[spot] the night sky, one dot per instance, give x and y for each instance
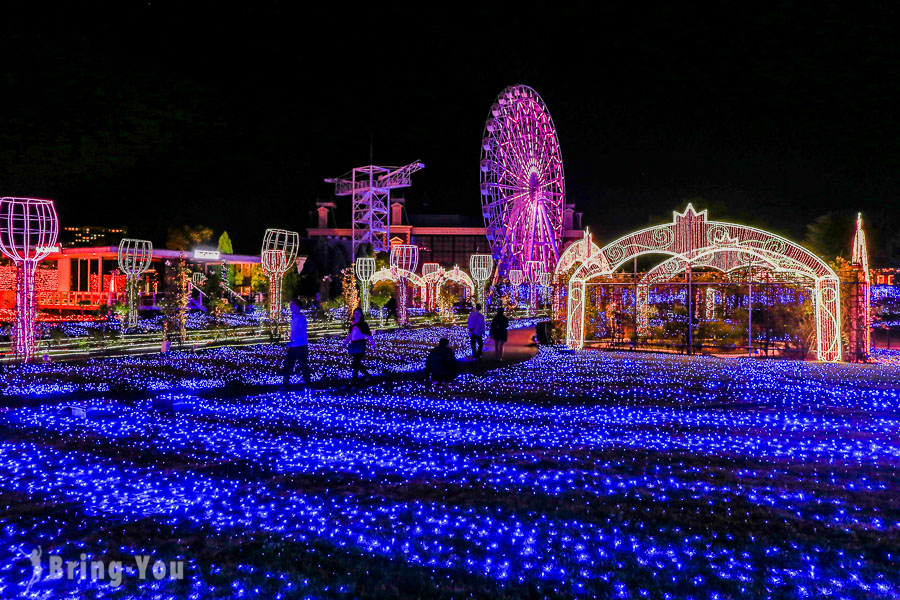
(152, 114)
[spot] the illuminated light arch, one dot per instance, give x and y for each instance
(400, 277)
(458, 276)
(575, 254)
(725, 261)
(689, 238)
(395, 274)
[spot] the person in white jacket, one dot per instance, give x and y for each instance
(476, 332)
(297, 346)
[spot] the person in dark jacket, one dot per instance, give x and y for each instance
(390, 308)
(441, 363)
(499, 327)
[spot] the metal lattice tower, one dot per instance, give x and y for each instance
(371, 188)
(28, 229)
(134, 259)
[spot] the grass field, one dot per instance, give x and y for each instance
(570, 475)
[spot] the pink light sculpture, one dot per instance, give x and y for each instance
(533, 271)
(522, 181)
(365, 268)
(481, 267)
(279, 252)
(134, 259)
(404, 259)
(429, 270)
(28, 230)
(546, 280)
(516, 277)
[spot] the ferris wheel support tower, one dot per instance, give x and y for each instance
(371, 188)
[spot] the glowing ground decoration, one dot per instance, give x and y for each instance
(522, 181)
(279, 251)
(481, 267)
(691, 239)
(365, 268)
(404, 259)
(134, 258)
(860, 258)
(28, 229)
(768, 481)
(371, 188)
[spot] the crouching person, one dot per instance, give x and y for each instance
(441, 363)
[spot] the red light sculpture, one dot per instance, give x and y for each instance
(28, 230)
(134, 259)
(404, 258)
(279, 251)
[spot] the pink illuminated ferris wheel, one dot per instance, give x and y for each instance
(522, 181)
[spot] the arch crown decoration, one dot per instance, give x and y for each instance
(690, 239)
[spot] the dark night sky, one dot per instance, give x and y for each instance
(152, 114)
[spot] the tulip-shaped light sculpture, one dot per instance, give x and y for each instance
(28, 229)
(533, 271)
(429, 275)
(279, 252)
(365, 268)
(481, 266)
(404, 259)
(546, 278)
(134, 259)
(516, 277)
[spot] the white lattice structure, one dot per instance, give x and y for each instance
(370, 187)
(691, 239)
(404, 258)
(278, 254)
(481, 267)
(28, 230)
(134, 258)
(364, 269)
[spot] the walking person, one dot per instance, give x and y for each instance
(499, 332)
(356, 343)
(297, 346)
(476, 332)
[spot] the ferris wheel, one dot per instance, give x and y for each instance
(522, 181)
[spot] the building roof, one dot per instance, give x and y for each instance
(158, 254)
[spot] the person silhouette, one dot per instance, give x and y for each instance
(37, 569)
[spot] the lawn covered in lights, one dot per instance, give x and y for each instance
(570, 475)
